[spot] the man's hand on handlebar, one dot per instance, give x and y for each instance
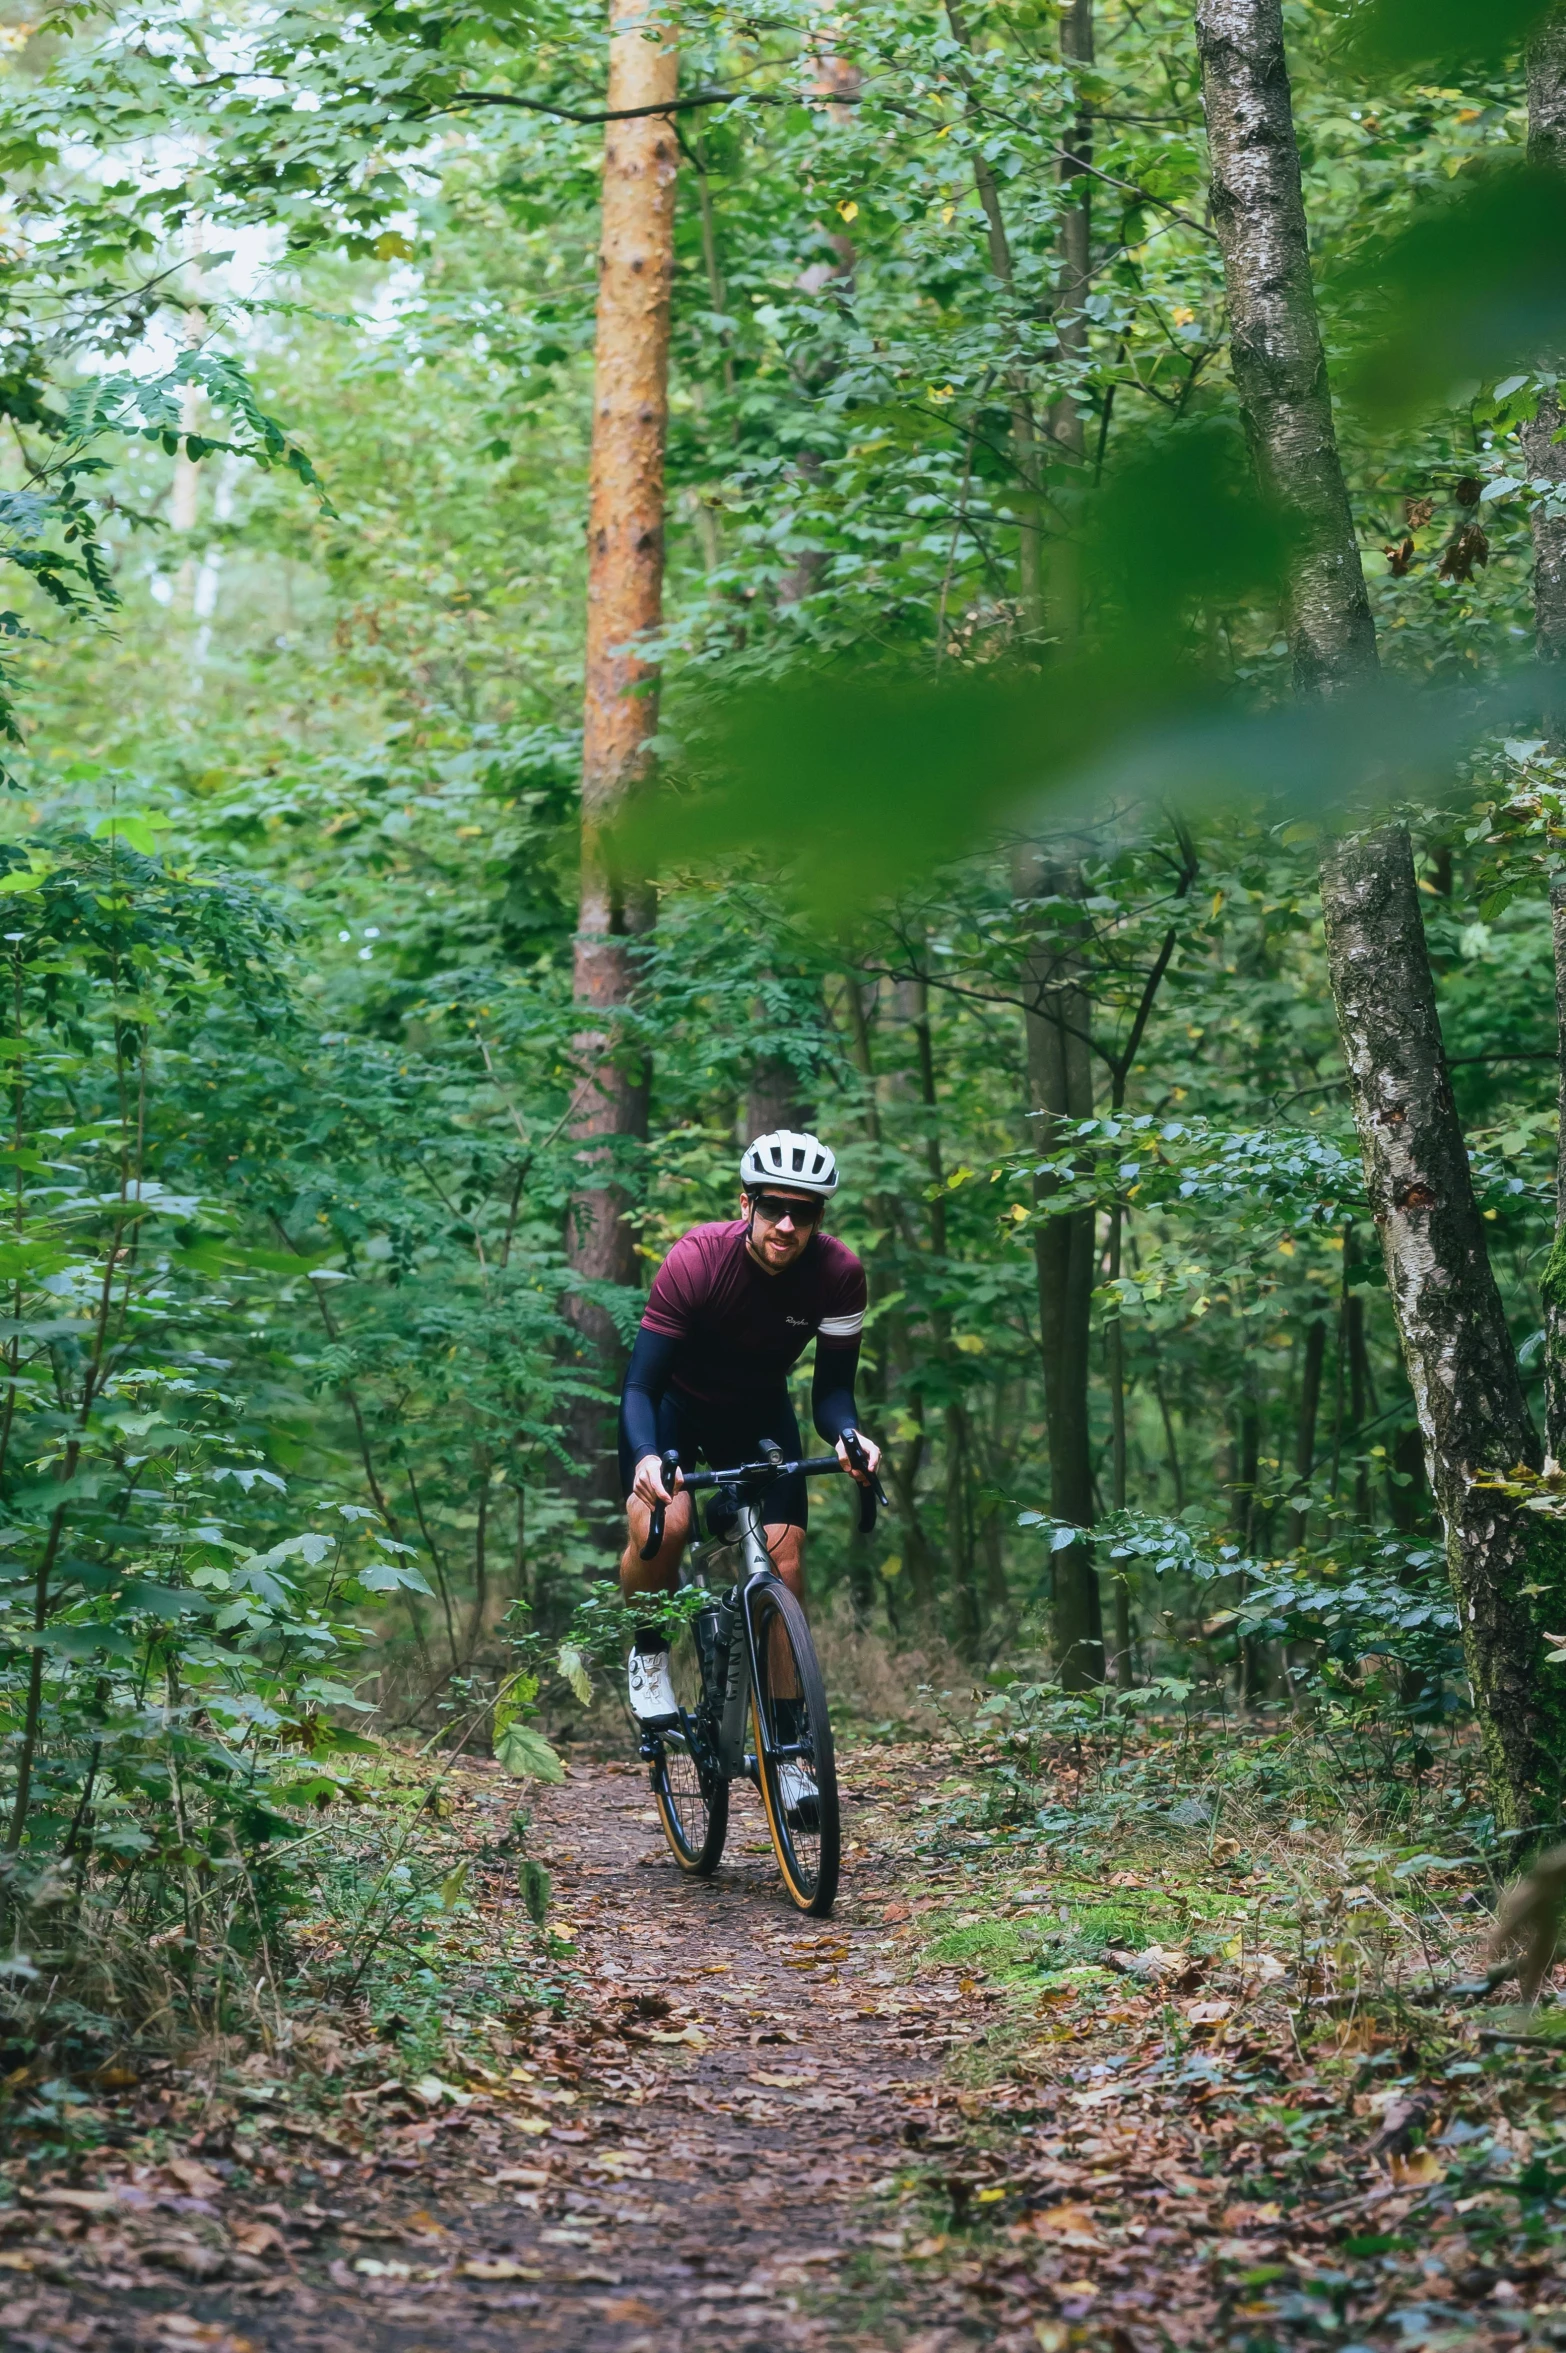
(650, 1488)
(869, 1457)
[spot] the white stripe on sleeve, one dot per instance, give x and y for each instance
(841, 1327)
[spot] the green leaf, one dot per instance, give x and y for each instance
(535, 1887)
(83, 1642)
(138, 829)
(391, 1576)
(528, 1755)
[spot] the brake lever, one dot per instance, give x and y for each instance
(669, 1466)
(871, 1495)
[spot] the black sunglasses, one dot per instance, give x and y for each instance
(774, 1208)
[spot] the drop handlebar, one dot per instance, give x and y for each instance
(753, 1475)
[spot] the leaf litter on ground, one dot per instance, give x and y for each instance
(1205, 2107)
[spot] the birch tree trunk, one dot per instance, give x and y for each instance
(1459, 1353)
(1456, 1345)
(620, 709)
(1280, 369)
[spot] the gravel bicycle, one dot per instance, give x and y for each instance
(751, 1700)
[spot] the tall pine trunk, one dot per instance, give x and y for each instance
(620, 709)
(1451, 1324)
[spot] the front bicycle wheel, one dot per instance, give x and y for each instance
(794, 1755)
(691, 1795)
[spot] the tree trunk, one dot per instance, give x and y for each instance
(1315, 1357)
(1450, 1321)
(1115, 1355)
(905, 1464)
(620, 710)
(1553, 1285)
(1547, 461)
(1461, 1362)
(1024, 436)
(1060, 1085)
(1076, 281)
(774, 1098)
(1280, 370)
(837, 80)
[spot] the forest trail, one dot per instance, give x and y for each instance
(908, 2129)
(693, 2156)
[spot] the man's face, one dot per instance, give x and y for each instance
(781, 1225)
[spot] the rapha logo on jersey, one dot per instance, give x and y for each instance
(797, 1319)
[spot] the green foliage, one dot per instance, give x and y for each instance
(291, 1055)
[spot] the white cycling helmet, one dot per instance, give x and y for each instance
(803, 1163)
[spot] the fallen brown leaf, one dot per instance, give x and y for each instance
(1070, 2226)
(194, 2177)
(257, 2238)
(79, 2201)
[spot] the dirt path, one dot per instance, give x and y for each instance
(691, 2150)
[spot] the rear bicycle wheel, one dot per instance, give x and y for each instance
(795, 1760)
(691, 1795)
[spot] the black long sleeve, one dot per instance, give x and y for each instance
(832, 1390)
(646, 1378)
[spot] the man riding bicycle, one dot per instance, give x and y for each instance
(732, 1309)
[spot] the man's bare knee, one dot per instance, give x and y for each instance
(786, 1546)
(657, 1575)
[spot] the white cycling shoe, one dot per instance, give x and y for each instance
(799, 1794)
(651, 1688)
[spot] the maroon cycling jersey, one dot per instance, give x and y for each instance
(738, 1329)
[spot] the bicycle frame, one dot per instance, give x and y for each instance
(740, 1672)
(734, 1760)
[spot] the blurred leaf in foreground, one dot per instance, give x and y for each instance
(1474, 287)
(856, 786)
(856, 781)
(1401, 36)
